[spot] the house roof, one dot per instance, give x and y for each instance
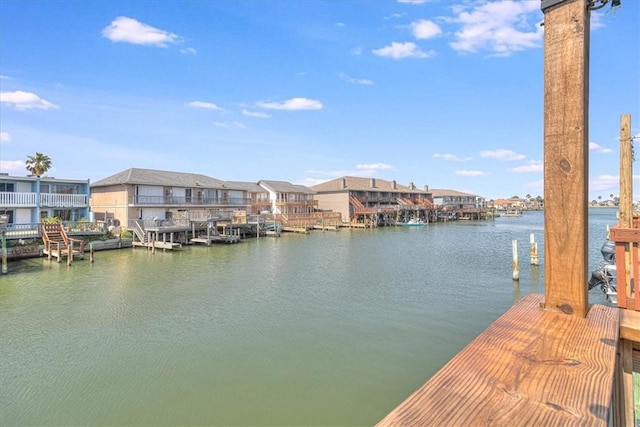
(446, 192)
(285, 187)
(252, 187)
(355, 183)
(44, 178)
(159, 177)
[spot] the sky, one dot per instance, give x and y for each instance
(444, 93)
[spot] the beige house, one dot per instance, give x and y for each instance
(372, 201)
(156, 195)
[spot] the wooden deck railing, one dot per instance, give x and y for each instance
(627, 241)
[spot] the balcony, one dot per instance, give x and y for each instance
(187, 201)
(309, 203)
(47, 200)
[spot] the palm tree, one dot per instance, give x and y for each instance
(38, 165)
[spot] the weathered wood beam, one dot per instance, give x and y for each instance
(566, 162)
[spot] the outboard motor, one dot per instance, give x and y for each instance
(609, 252)
(598, 278)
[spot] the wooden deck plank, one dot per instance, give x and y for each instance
(630, 325)
(530, 367)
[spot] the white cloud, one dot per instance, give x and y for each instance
(608, 183)
(501, 27)
(353, 80)
(4, 137)
(255, 114)
(340, 24)
(413, 1)
(230, 125)
(292, 104)
(465, 172)
(501, 155)
(397, 50)
(4, 77)
(189, 51)
(356, 51)
(25, 100)
(129, 30)
(205, 105)
(536, 185)
(425, 29)
(599, 148)
(532, 166)
(450, 157)
(310, 182)
(12, 167)
(373, 166)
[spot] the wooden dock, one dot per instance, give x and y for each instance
(217, 238)
(530, 366)
(158, 244)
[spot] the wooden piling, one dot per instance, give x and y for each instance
(566, 156)
(516, 268)
(91, 252)
(533, 249)
(5, 268)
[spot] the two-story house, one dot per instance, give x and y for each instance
(29, 199)
(373, 201)
(157, 195)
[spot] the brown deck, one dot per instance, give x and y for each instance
(530, 367)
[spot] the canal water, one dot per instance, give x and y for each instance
(329, 328)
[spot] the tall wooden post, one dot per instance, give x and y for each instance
(626, 173)
(566, 162)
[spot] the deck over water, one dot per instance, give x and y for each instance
(530, 367)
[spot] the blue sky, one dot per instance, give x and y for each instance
(445, 93)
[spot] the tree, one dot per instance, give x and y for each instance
(38, 165)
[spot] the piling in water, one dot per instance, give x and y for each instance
(516, 268)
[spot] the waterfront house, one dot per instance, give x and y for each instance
(24, 200)
(513, 203)
(372, 201)
(258, 197)
(158, 196)
(289, 199)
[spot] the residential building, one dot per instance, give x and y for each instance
(28, 199)
(149, 194)
(372, 200)
(258, 197)
(452, 200)
(289, 199)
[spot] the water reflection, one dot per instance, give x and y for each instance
(269, 331)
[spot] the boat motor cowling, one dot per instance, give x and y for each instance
(609, 251)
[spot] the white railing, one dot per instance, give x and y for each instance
(11, 199)
(51, 200)
(64, 200)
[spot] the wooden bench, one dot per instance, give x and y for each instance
(58, 245)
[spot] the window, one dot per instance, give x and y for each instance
(65, 189)
(62, 214)
(8, 214)
(7, 187)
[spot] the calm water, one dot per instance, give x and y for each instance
(320, 329)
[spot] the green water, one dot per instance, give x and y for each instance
(320, 329)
